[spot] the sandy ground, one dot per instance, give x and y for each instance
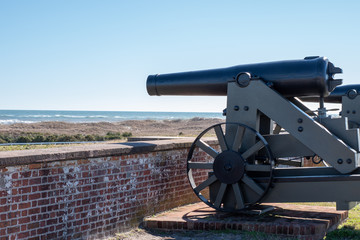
(141, 234)
(189, 127)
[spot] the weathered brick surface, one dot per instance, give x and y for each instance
(287, 221)
(93, 197)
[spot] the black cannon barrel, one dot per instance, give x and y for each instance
(312, 76)
(336, 95)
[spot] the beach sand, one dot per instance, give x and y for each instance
(187, 127)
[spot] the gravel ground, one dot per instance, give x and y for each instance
(141, 234)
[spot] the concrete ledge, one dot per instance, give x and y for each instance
(11, 158)
(154, 138)
(287, 220)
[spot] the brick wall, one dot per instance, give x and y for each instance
(90, 192)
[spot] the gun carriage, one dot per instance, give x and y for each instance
(268, 126)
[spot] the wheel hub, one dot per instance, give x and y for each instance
(229, 167)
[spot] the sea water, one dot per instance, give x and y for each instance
(32, 116)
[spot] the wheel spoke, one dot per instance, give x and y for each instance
(252, 184)
(258, 168)
(206, 183)
(221, 138)
(206, 148)
(238, 138)
(200, 165)
(220, 195)
(238, 196)
(259, 145)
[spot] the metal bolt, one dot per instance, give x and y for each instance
(353, 111)
(347, 111)
(243, 79)
(269, 84)
(236, 108)
(339, 161)
(300, 120)
(300, 129)
(227, 167)
(348, 160)
(246, 108)
(352, 93)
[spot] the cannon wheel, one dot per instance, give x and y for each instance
(238, 179)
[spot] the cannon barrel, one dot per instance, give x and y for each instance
(336, 95)
(312, 76)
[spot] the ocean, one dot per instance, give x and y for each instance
(32, 116)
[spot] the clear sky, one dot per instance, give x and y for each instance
(96, 55)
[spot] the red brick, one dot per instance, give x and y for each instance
(24, 190)
(84, 228)
(25, 174)
(291, 229)
(302, 230)
(4, 224)
(35, 173)
(24, 205)
(43, 202)
(44, 172)
(33, 225)
(3, 217)
(33, 233)
(34, 181)
(25, 182)
(24, 220)
(312, 229)
(24, 213)
(23, 228)
(285, 229)
(35, 166)
(34, 211)
(43, 186)
(34, 196)
(16, 199)
(296, 230)
(273, 229)
(44, 194)
(13, 214)
(23, 235)
(40, 231)
(13, 229)
(51, 236)
(15, 176)
(51, 222)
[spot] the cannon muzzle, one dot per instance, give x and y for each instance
(312, 76)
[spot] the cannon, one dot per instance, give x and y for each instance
(256, 155)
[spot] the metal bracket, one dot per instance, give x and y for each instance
(258, 97)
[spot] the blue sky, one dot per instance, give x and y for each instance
(96, 55)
